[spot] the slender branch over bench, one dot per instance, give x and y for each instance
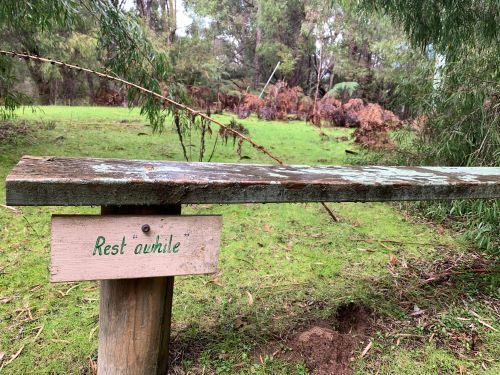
(163, 99)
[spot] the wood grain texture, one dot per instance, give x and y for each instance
(131, 325)
(90, 247)
(85, 181)
(135, 316)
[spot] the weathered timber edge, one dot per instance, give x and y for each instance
(87, 181)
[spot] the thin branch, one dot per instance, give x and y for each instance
(330, 212)
(213, 149)
(163, 99)
(443, 275)
(371, 240)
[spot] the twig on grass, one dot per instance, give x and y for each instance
(14, 356)
(385, 246)
(248, 262)
(371, 240)
(15, 210)
(70, 289)
(480, 320)
(367, 348)
(39, 332)
(450, 273)
(33, 229)
(282, 285)
(92, 331)
(330, 212)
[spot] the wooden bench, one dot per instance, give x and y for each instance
(135, 314)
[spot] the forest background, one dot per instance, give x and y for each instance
(434, 64)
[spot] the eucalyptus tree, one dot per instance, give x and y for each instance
(462, 114)
(463, 126)
(260, 33)
(121, 45)
(232, 23)
(20, 24)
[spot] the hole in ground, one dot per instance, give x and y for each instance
(326, 347)
(352, 318)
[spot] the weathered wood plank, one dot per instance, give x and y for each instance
(90, 247)
(86, 181)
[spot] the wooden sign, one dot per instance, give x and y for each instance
(126, 247)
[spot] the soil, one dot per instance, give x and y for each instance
(326, 347)
(325, 351)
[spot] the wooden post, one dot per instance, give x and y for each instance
(135, 315)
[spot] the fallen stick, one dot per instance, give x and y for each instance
(450, 273)
(14, 356)
(38, 333)
(282, 285)
(385, 246)
(480, 320)
(367, 348)
(371, 240)
(15, 210)
(330, 212)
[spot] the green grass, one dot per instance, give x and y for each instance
(297, 265)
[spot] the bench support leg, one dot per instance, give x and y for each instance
(135, 315)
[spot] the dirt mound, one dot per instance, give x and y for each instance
(326, 347)
(325, 351)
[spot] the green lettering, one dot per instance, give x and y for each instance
(138, 249)
(114, 250)
(156, 246)
(169, 245)
(106, 249)
(146, 250)
(98, 243)
(123, 245)
(176, 247)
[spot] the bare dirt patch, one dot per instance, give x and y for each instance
(326, 347)
(325, 351)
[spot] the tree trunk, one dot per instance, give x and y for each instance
(144, 9)
(169, 20)
(257, 60)
(316, 117)
(68, 86)
(91, 86)
(42, 85)
(330, 69)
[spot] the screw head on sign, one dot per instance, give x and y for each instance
(146, 228)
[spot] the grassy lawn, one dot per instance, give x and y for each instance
(283, 269)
